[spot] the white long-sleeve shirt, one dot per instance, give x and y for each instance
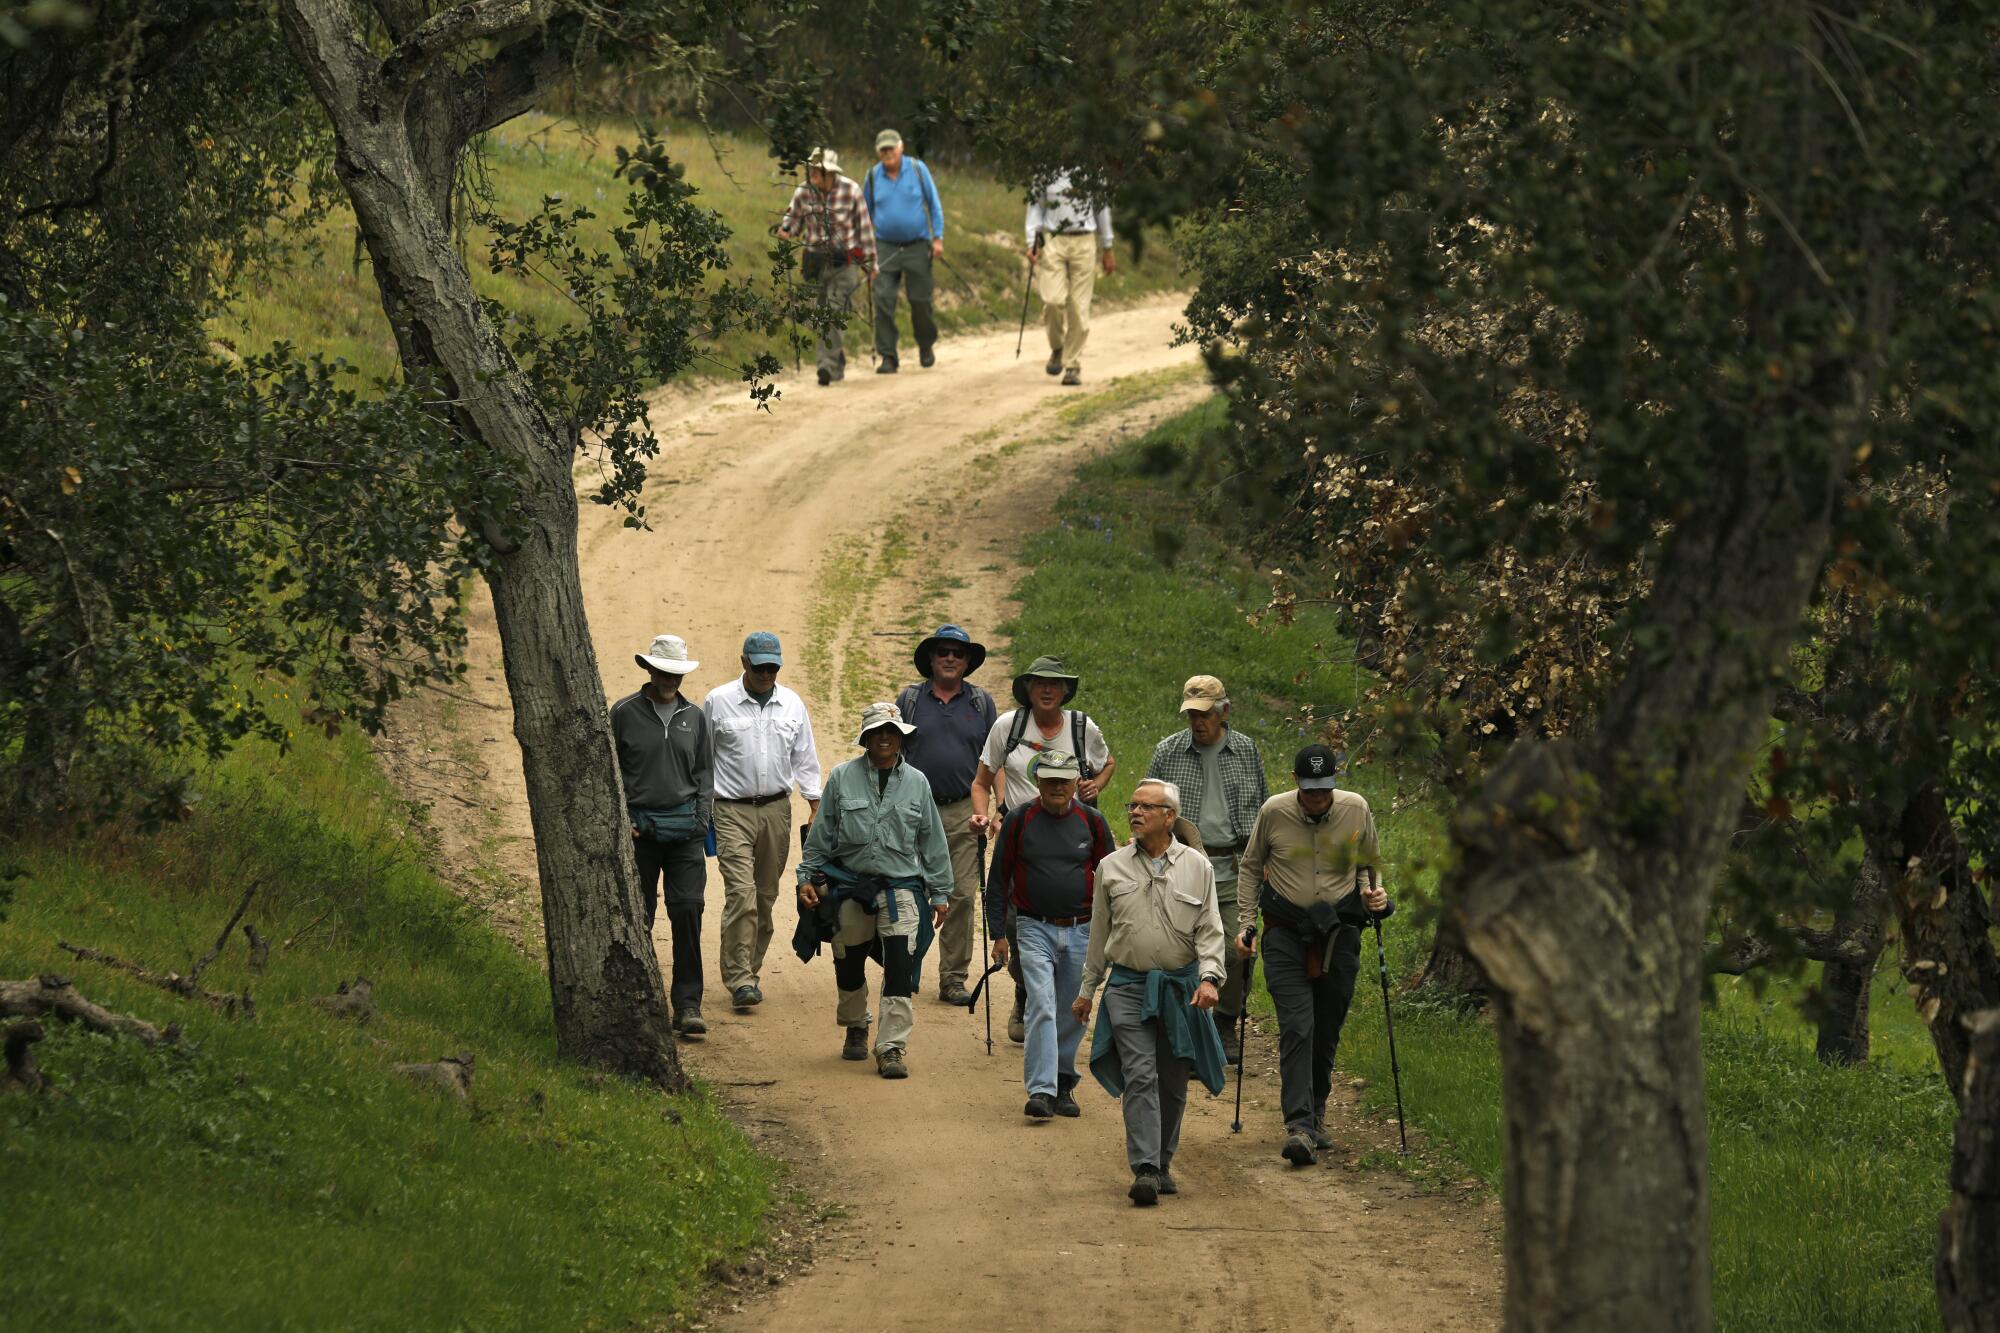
(1057, 211)
(761, 749)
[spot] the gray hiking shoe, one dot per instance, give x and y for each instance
(1145, 1189)
(1298, 1149)
(1320, 1138)
(689, 1024)
(1054, 367)
(955, 993)
(744, 997)
(889, 1063)
(1072, 376)
(1017, 1027)
(1167, 1185)
(856, 1046)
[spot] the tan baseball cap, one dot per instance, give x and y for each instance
(887, 139)
(1202, 693)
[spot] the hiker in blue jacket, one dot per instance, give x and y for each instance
(909, 236)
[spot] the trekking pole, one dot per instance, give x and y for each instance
(1243, 1029)
(984, 947)
(1026, 287)
(1395, 1070)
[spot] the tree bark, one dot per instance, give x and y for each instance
(1968, 1257)
(1845, 981)
(1453, 972)
(398, 149)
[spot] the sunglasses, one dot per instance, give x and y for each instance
(764, 669)
(949, 652)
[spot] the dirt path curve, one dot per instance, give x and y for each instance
(875, 506)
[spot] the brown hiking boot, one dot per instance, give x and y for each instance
(856, 1047)
(1054, 367)
(1072, 376)
(889, 1063)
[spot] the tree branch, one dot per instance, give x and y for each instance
(55, 996)
(452, 29)
(515, 79)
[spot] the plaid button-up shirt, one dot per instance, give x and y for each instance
(835, 220)
(1175, 761)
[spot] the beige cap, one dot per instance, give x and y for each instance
(1202, 693)
(887, 139)
(1054, 764)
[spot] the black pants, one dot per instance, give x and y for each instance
(1311, 1011)
(685, 871)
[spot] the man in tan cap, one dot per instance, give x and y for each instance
(1220, 775)
(830, 216)
(876, 877)
(909, 226)
(667, 761)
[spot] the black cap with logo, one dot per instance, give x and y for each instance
(1317, 768)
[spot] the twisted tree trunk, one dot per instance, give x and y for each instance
(1968, 1258)
(402, 124)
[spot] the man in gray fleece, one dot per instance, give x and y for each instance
(667, 759)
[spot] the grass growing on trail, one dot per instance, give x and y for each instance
(326, 300)
(1826, 1183)
(274, 1172)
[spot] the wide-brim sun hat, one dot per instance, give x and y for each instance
(825, 159)
(668, 653)
(878, 715)
(1046, 668)
(976, 652)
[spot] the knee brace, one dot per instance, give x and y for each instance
(849, 969)
(896, 967)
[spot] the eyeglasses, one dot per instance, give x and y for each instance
(1145, 805)
(949, 652)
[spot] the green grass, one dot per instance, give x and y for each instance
(1826, 1182)
(327, 302)
(274, 1172)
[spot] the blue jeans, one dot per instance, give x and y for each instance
(1051, 969)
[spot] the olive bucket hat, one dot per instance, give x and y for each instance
(975, 653)
(1046, 668)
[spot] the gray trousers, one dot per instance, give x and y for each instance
(1155, 1079)
(1229, 1004)
(1310, 1013)
(836, 292)
(908, 262)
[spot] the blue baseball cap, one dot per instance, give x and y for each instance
(762, 649)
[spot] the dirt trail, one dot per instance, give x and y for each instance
(836, 520)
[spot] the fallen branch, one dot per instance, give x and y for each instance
(228, 928)
(53, 996)
(166, 981)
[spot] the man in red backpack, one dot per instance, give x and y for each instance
(952, 717)
(1044, 871)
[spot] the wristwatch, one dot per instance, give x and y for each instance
(1214, 981)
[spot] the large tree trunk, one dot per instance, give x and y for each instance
(401, 127)
(1583, 888)
(1968, 1258)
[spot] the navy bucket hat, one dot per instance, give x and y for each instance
(976, 652)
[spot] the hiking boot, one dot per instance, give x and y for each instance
(1066, 1105)
(955, 993)
(1145, 1189)
(688, 1023)
(1232, 1040)
(1039, 1107)
(926, 357)
(1298, 1149)
(886, 366)
(1017, 1027)
(1167, 1185)
(825, 377)
(856, 1046)
(889, 1063)
(1054, 367)
(1320, 1138)
(1072, 376)
(744, 997)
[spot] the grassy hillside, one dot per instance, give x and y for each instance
(1827, 1182)
(275, 1172)
(326, 300)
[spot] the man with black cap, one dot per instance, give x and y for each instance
(951, 716)
(667, 763)
(1221, 778)
(877, 858)
(1039, 721)
(1311, 850)
(763, 749)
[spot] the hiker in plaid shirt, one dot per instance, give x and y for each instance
(830, 217)
(1221, 777)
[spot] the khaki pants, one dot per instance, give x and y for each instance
(836, 292)
(752, 843)
(1069, 276)
(955, 937)
(894, 924)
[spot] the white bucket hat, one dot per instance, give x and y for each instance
(880, 715)
(668, 653)
(825, 159)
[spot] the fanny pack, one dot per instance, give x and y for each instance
(674, 824)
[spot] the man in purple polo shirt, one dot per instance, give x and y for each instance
(952, 717)
(1044, 871)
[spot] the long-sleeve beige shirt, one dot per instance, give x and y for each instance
(1146, 919)
(1305, 862)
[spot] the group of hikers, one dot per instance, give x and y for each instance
(894, 860)
(888, 231)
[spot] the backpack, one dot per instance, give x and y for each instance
(1078, 721)
(868, 192)
(982, 703)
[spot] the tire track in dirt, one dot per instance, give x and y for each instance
(953, 1209)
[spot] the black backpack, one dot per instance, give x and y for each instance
(1078, 721)
(982, 703)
